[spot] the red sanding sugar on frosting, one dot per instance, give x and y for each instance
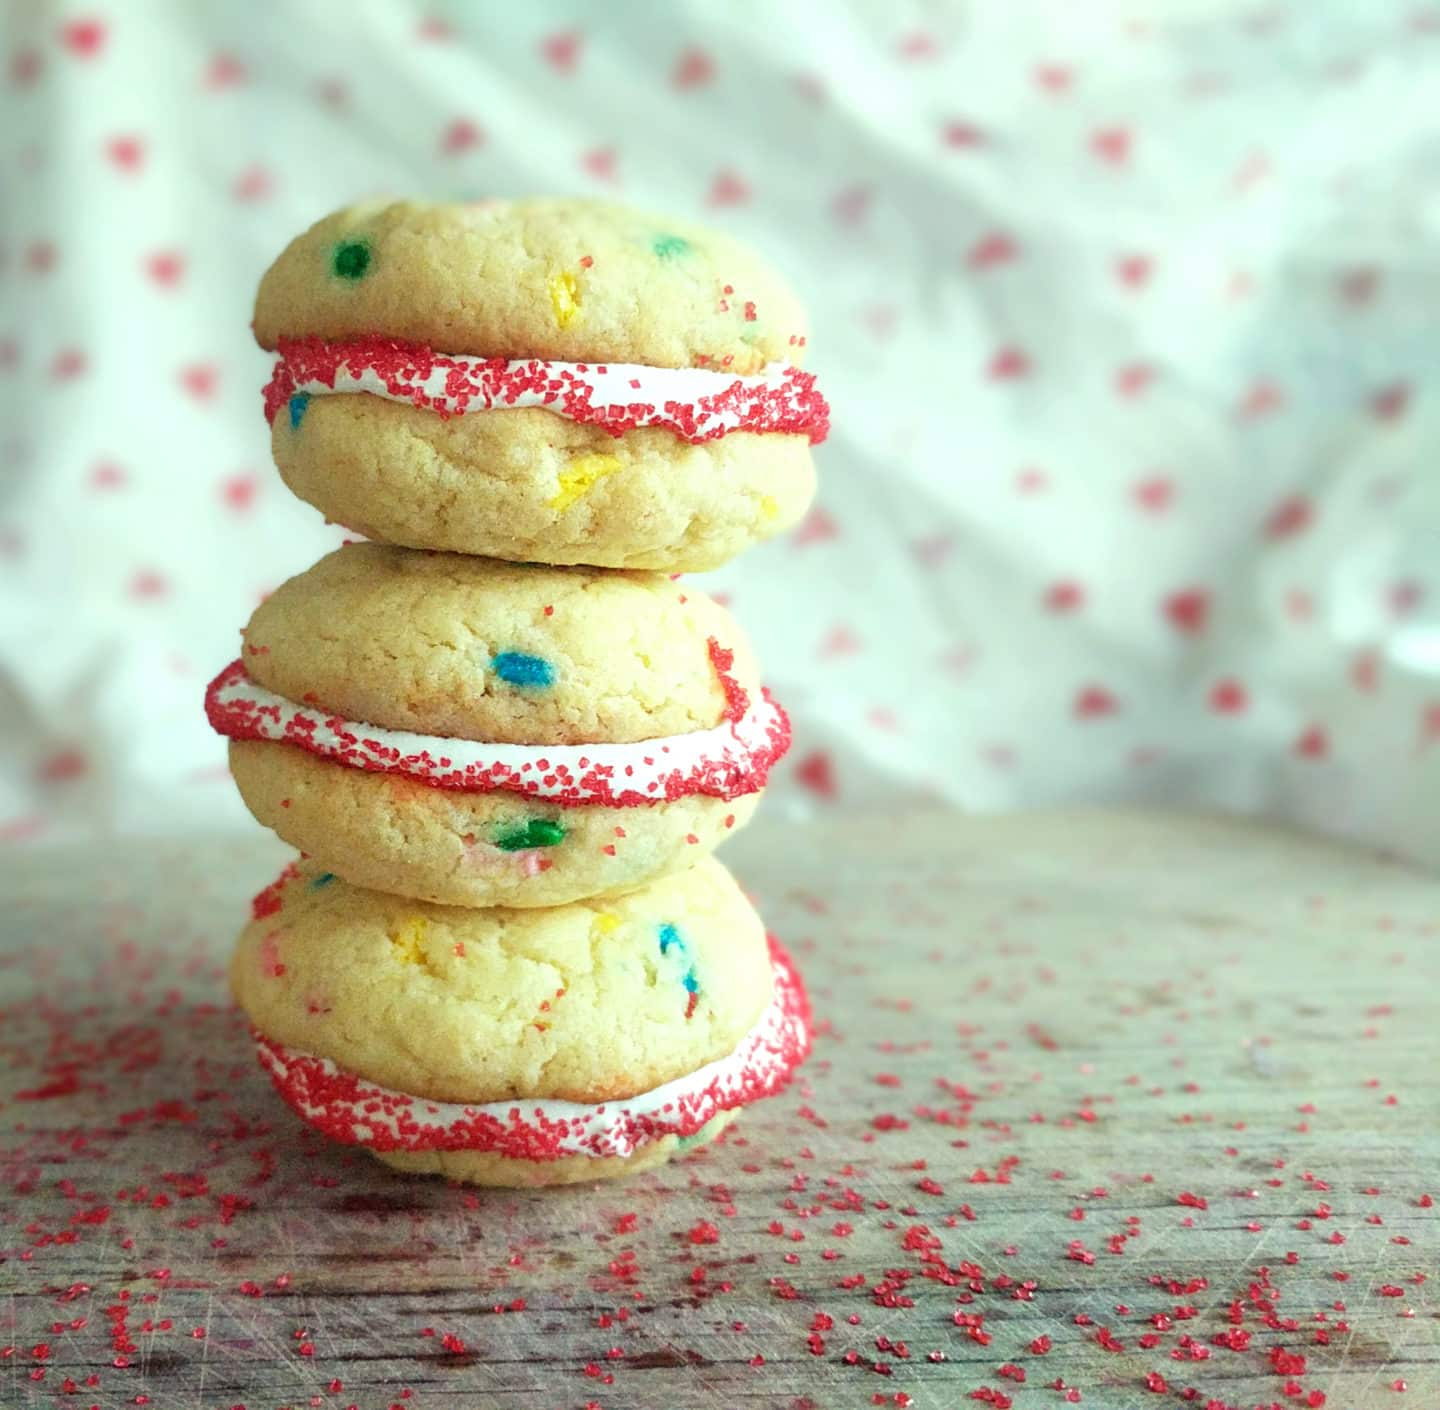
(737, 698)
(696, 404)
(269, 901)
(355, 1112)
(730, 760)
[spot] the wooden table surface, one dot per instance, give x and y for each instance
(1109, 1109)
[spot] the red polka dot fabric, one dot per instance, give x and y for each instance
(1124, 323)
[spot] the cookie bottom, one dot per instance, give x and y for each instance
(393, 834)
(487, 1168)
(530, 486)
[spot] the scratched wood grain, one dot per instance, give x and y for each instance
(1149, 1102)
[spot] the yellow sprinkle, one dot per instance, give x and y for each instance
(604, 924)
(580, 475)
(409, 941)
(768, 507)
(565, 298)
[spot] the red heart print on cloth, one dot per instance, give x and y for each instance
(1128, 488)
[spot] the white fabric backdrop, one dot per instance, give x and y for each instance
(1128, 317)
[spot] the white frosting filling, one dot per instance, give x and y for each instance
(614, 383)
(574, 1128)
(566, 772)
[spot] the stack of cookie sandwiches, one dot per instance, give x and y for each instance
(504, 734)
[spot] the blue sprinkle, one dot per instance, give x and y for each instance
(324, 879)
(516, 668)
(298, 403)
(670, 938)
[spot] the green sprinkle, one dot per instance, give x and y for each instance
(668, 246)
(351, 259)
(538, 832)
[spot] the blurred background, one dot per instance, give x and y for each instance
(1128, 314)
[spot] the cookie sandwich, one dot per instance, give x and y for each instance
(560, 381)
(505, 1047)
(478, 733)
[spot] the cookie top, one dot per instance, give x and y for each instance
(571, 280)
(587, 1002)
(450, 645)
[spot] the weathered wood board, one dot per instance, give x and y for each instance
(1149, 1103)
